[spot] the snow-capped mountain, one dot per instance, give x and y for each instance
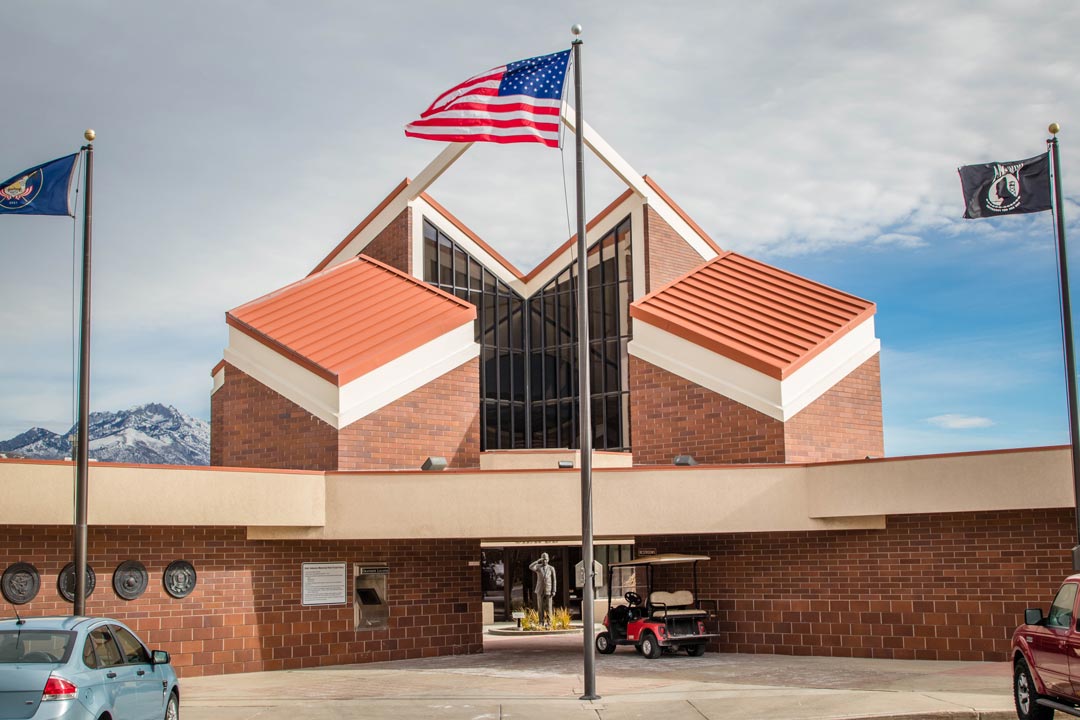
(152, 433)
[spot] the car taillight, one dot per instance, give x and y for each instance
(662, 631)
(701, 628)
(59, 689)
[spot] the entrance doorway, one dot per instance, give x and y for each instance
(507, 583)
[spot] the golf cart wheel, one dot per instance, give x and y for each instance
(604, 643)
(649, 647)
(695, 650)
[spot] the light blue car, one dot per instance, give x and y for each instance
(85, 668)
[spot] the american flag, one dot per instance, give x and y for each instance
(517, 102)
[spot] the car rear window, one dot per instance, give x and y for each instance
(35, 646)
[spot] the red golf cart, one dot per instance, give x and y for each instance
(662, 620)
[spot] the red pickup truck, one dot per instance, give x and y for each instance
(1046, 657)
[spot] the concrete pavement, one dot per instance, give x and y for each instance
(541, 677)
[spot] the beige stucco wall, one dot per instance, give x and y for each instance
(524, 504)
(1003, 480)
(43, 494)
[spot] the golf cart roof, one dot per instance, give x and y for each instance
(666, 559)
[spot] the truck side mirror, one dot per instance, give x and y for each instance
(1033, 616)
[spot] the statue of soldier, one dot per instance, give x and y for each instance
(545, 587)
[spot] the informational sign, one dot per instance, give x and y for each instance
(645, 551)
(324, 583)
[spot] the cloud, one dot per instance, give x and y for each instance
(901, 240)
(952, 421)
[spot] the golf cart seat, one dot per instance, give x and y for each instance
(672, 604)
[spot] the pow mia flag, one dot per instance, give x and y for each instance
(1006, 188)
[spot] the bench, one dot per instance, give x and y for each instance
(671, 604)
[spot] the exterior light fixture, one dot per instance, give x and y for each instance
(434, 462)
(684, 460)
(566, 464)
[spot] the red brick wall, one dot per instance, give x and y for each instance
(670, 415)
(245, 613)
(928, 587)
(393, 245)
(844, 423)
(667, 255)
(441, 418)
(253, 426)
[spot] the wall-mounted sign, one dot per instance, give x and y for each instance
(324, 583)
(645, 551)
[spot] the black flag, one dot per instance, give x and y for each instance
(1006, 188)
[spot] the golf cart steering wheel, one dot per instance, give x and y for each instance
(632, 598)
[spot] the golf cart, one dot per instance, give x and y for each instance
(662, 620)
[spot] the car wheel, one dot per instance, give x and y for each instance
(604, 644)
(1025, 695)
(695, 650)
(650, 648)
(172, 709)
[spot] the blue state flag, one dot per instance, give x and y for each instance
(41, 190)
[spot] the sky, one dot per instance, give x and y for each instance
(239, 142)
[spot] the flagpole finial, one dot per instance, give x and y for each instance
(89, 135)
(576, 29)
(1054, 128)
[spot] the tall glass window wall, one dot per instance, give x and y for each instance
(538, 408)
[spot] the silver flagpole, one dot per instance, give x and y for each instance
(83, 442)
(584, 393)
(1067, 332)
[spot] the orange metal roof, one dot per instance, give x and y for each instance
(346, 321)
(758, 315)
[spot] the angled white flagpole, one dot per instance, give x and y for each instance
(584, 393)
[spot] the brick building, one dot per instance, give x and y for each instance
(415, 343)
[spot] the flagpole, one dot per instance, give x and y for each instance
(83, 444)
(1067, 331)
(584, 392)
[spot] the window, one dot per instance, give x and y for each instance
(500, 331)
(108, 653)
(89, 658)
(1061, 611)
(529, 346)
(35, 646)
(133, 650)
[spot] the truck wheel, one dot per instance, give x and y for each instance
(652, 649)
(695, 650)
(1025, 695)
(604, 644)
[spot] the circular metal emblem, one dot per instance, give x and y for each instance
(179, 578)
(65, 583)
(129, 580)
(20, 583)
